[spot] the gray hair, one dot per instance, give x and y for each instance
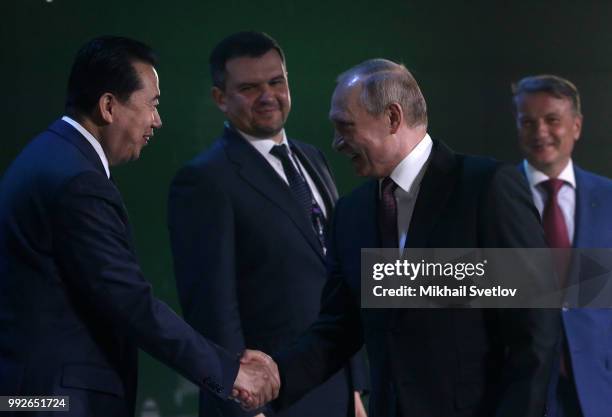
(552, 84)
(384, 82)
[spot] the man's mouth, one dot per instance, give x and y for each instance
(542, 145)
(147, 138)
(267, 110)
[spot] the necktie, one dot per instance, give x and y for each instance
(556, 234)
(387, 214)
(555, 229)
(301, 192)
(552, 218)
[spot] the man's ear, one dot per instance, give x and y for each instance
(106, 107)
(395, 117)
(577, 127)
(218, 97)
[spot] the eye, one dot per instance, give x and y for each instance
(246, 88)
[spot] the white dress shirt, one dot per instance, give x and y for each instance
(264, 146)
(408, 175)
(93, 141)
(566, 198)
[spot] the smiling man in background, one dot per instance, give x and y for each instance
(575, 206)
(248, 223)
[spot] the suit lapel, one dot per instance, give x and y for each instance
(437, 184)
(586, 202)
(257, 173)
(368, 212)
(69, 133)
(324, 185)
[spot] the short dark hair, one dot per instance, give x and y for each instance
(551, 84)
(102, 65)
(250, 43)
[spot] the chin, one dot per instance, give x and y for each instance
(265, 131)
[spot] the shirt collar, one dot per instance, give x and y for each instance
(535, 177)
(264, 145)
(407, 171)
(92, 140)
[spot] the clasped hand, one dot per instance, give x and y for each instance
(258, 381)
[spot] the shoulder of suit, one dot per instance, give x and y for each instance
(207, 169)
(49, 162)
(307, 148)
(211, 158)
(598, 181)
(480, 172)
(363, 191)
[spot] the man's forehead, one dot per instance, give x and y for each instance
(149, 80)
(543, 97)
(344, 102)
(246, 68)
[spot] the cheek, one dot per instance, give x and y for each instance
(240, 105)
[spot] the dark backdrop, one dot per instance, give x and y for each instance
(464, 55)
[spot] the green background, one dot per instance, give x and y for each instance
(464, 54)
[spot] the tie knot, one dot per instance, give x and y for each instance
(552, 186)
(388, 186)
(280, 151)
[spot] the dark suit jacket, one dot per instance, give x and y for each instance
(433, 363)
(74, 305)
(249, 267)
(589, 331)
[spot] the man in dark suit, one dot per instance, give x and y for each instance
(424, 363)
(74, 305)
(248, 222)
(575, 206)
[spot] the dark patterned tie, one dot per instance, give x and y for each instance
(297, 183)
(302, 193)
(387, 214)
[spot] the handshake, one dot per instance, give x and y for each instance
(258, 381)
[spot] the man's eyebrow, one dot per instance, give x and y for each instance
(278, 77)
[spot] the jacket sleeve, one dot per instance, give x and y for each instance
(202, 233)
(359, 372)
(328, 343)
(95, 254)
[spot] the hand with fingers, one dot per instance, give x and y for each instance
(258, 381)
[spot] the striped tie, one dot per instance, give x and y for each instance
(302, 193)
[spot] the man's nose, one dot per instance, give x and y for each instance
(541, 129)
(157, 123)
(266, 94)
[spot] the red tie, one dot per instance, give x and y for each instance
(556, 234)
(552, 218)
(555, 229)
(387, 214)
